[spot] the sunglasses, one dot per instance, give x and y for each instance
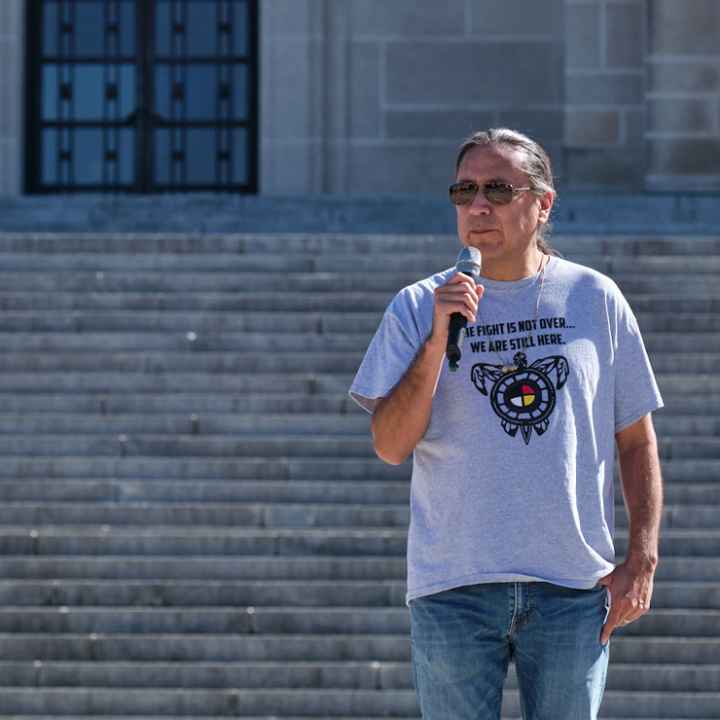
(497, 193)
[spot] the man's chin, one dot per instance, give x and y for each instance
(487, 241)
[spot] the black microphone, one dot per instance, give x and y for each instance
(469, 263)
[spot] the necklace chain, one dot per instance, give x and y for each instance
(508, 367)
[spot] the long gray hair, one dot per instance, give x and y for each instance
(535, 164)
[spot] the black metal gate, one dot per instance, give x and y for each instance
(141, 96)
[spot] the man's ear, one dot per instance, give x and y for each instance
(546, 203)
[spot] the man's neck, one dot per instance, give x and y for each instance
(528, 265)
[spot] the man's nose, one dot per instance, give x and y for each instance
(480, 205)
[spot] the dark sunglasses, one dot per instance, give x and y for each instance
(463, 193)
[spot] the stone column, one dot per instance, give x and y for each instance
(683, 95)
(303, 89)
(12, 99)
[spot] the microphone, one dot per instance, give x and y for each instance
(469, 263)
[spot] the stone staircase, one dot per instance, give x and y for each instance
(193, 521)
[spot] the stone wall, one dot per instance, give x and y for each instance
(605, 46)
(367, 96)
(11, 96)
(683, 96)
(372, 96)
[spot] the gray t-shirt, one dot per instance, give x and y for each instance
(513, 479)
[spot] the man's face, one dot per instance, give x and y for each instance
(502, 232)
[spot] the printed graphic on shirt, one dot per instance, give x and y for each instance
(522, 397)
(528, 334)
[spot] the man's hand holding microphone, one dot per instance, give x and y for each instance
(466, 297)
(401, 418)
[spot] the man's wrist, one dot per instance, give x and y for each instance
(641, 562)
(436, 343)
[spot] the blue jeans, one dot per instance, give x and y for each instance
(462, 640)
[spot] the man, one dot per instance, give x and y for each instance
(510, 546)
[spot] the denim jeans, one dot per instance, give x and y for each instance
(462, 640)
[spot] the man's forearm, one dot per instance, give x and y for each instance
(642, 487)
(401, 418)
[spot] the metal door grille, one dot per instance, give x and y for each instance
(142, 95)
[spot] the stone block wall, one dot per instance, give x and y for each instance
(11, 96)
(605, 46)
(369, 96)
(392, 88)
(374, 96)
(683, 96)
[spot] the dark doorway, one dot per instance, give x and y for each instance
(142, 96)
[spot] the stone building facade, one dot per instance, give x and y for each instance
(371, 96)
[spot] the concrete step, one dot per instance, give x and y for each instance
(212, 407)
(209, 592)
(201, 551)
(70, 540)
(169, 540)
(330, 491)
(275, 467)
(667, 423)
(269, 301)
(175, 346)
(322, 675)
(106, 382)
(315, 702)
(348, 675)
(229, 423)
(421, 264)
(265, 445)
(209, 363)
(311, 383)
(69, 343)
(145, 716)
(205, 567)
(288, 647)
(273, 301)
(236, 647)
(269, 361)
(91, 539)
(504, 716)
(325, 490)
(209, 321)
(319, 490)
(344, 243)
(217, 446)
(308, 592)
(263, 567)
(645, 704)
(222, 423)
(212, 322)
(73, 282)
(271, 515)
(189, 703)
(149, 403)
(291, 620)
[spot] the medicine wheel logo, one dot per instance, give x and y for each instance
(522, 397)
